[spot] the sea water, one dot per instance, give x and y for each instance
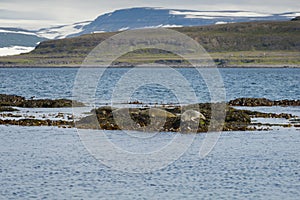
(54, 163)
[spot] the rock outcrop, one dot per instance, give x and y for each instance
(170, 118)
(18, 101)
(202, 117)
(262, 102)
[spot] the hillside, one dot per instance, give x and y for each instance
(250, 43)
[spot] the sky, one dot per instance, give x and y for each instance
(34, 14)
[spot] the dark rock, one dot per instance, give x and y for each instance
(287, 103)
(49, 103)
(268, 115)
(251, 102)
(189, 118)
(7, 109)
(36, 122)
(11, 100)
(233, 115)
(18, 101)
(262, 102)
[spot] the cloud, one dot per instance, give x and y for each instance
(69, 11)
(11, 14)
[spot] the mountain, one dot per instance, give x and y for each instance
(15, 40)
(235, 44)
(134, 18)
(131, 18)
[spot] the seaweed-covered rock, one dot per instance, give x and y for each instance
(50, 103)
(18, 101)
(36, 122)
(251, 102)
(234, 115)
(287, 103)
(268, 115)
(7, 109)
(188, 118)
(262, 102)
(11, 100)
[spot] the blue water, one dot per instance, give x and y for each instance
(58, 83)
(53, 163)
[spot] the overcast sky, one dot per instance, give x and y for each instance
(44, 13)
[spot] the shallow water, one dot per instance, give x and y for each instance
(52, 163)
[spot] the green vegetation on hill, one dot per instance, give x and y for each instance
(251, 43)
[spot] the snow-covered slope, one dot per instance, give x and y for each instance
(15, 41)
(14, 50)
(59, 32)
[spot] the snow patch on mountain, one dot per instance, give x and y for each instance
(199, 17)
(221, 22)
(164, 26)
(124, 28)
(14, 50)
(215, 14)
(98, 32)
(19, 32)
(291, 15)
(59, 32)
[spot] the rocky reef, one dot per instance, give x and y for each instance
(173, 118)
(8, 102)
(37, 122)
(18, 101)
(202, 117)
(262, 102)
(7, 109)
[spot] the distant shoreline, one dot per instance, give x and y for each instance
(159, 66)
